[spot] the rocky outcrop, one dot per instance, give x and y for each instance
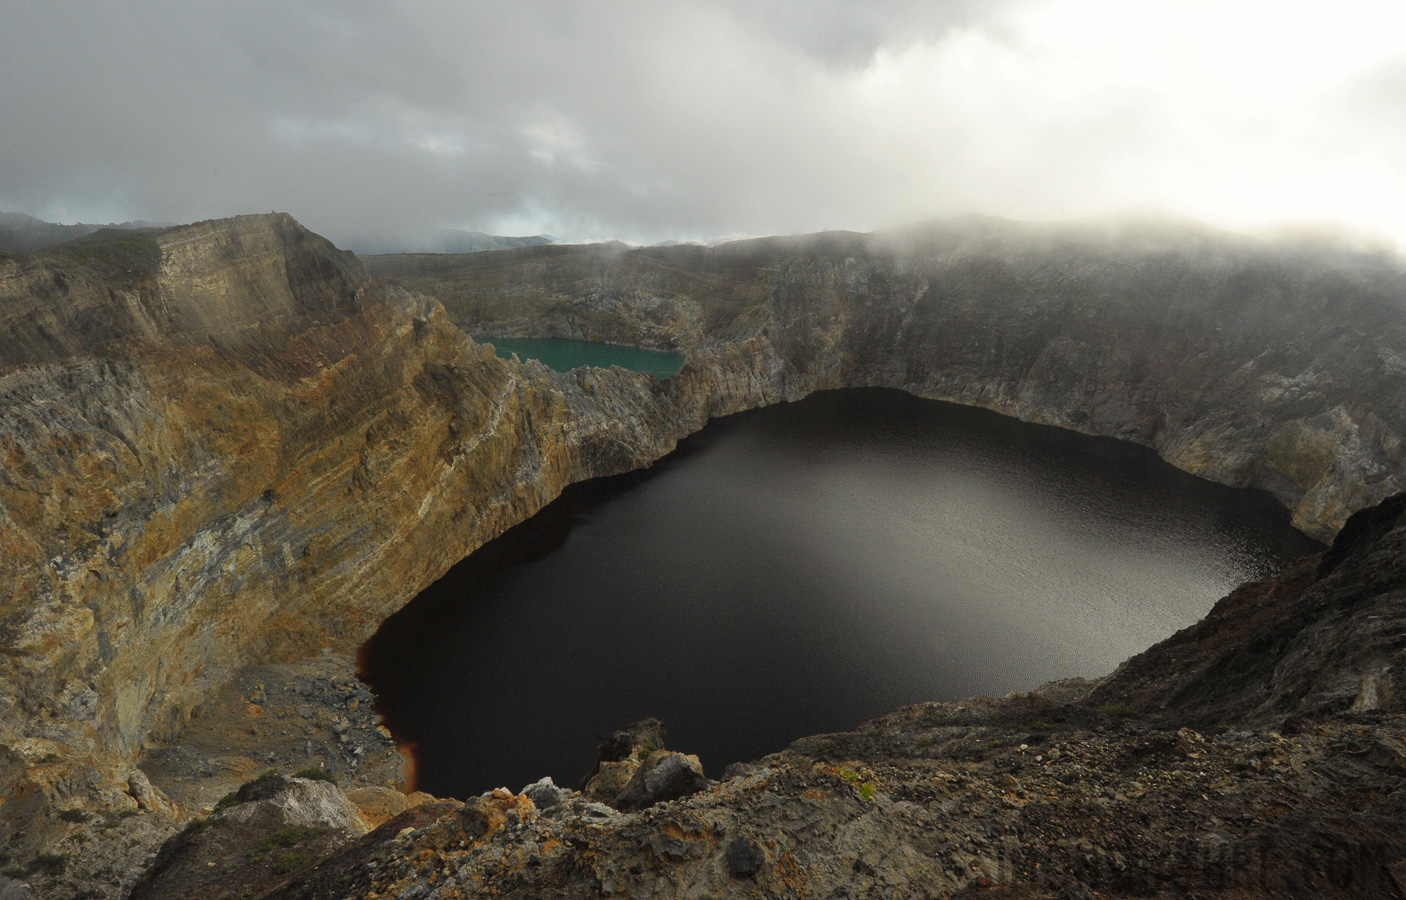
(619, 757)
(1282, 368)
(664, 775)
(982, 800)
(634, 771)
(271, 827)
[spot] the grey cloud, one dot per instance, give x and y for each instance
(651, 121)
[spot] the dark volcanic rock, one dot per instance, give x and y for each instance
(544, 794)
(744, 858)
(661, 777)
(346, 873)
(275, 827)
(619, 757)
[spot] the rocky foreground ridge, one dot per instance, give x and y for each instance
(226, 448)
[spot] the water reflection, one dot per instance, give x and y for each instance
(798, 569)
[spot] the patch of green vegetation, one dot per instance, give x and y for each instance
(110, 821)
(1119, 712)
(992, 745)
(1222, 728)
(316, 775)
(1041, 726)
(291, 836)
(49, 864)
(866, 789)
(925, 742)
(228, 800)
(126, 253)
(825, 746)
(195, 826)
(646, 748)
(289, 862)
(74, 815)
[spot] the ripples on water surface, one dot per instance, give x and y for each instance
(801, 568)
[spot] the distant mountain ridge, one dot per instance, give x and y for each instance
(445, 240)
(20, 233)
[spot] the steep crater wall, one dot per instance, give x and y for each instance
(226, 443)
(1251, 364)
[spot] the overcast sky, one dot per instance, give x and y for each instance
(660, 119)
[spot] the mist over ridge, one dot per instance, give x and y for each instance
(707, 118)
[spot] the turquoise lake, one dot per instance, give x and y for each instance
(562, 355)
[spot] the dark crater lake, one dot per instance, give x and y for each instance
(798, 569)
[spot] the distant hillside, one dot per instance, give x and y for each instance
(444, 240)
(21, 234)
(24, 234)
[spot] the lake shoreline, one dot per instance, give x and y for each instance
(966, 552)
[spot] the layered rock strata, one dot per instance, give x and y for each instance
(225, 444)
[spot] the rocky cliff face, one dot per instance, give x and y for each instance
(1249, 364)
(226, 444)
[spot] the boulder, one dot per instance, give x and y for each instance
(619, 756)
(744, 858)
(378, 805)
(544, 793)
(13, 890)
(149, 797)
(663, 776)
(275, 827)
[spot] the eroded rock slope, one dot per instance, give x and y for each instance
(224, 444)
